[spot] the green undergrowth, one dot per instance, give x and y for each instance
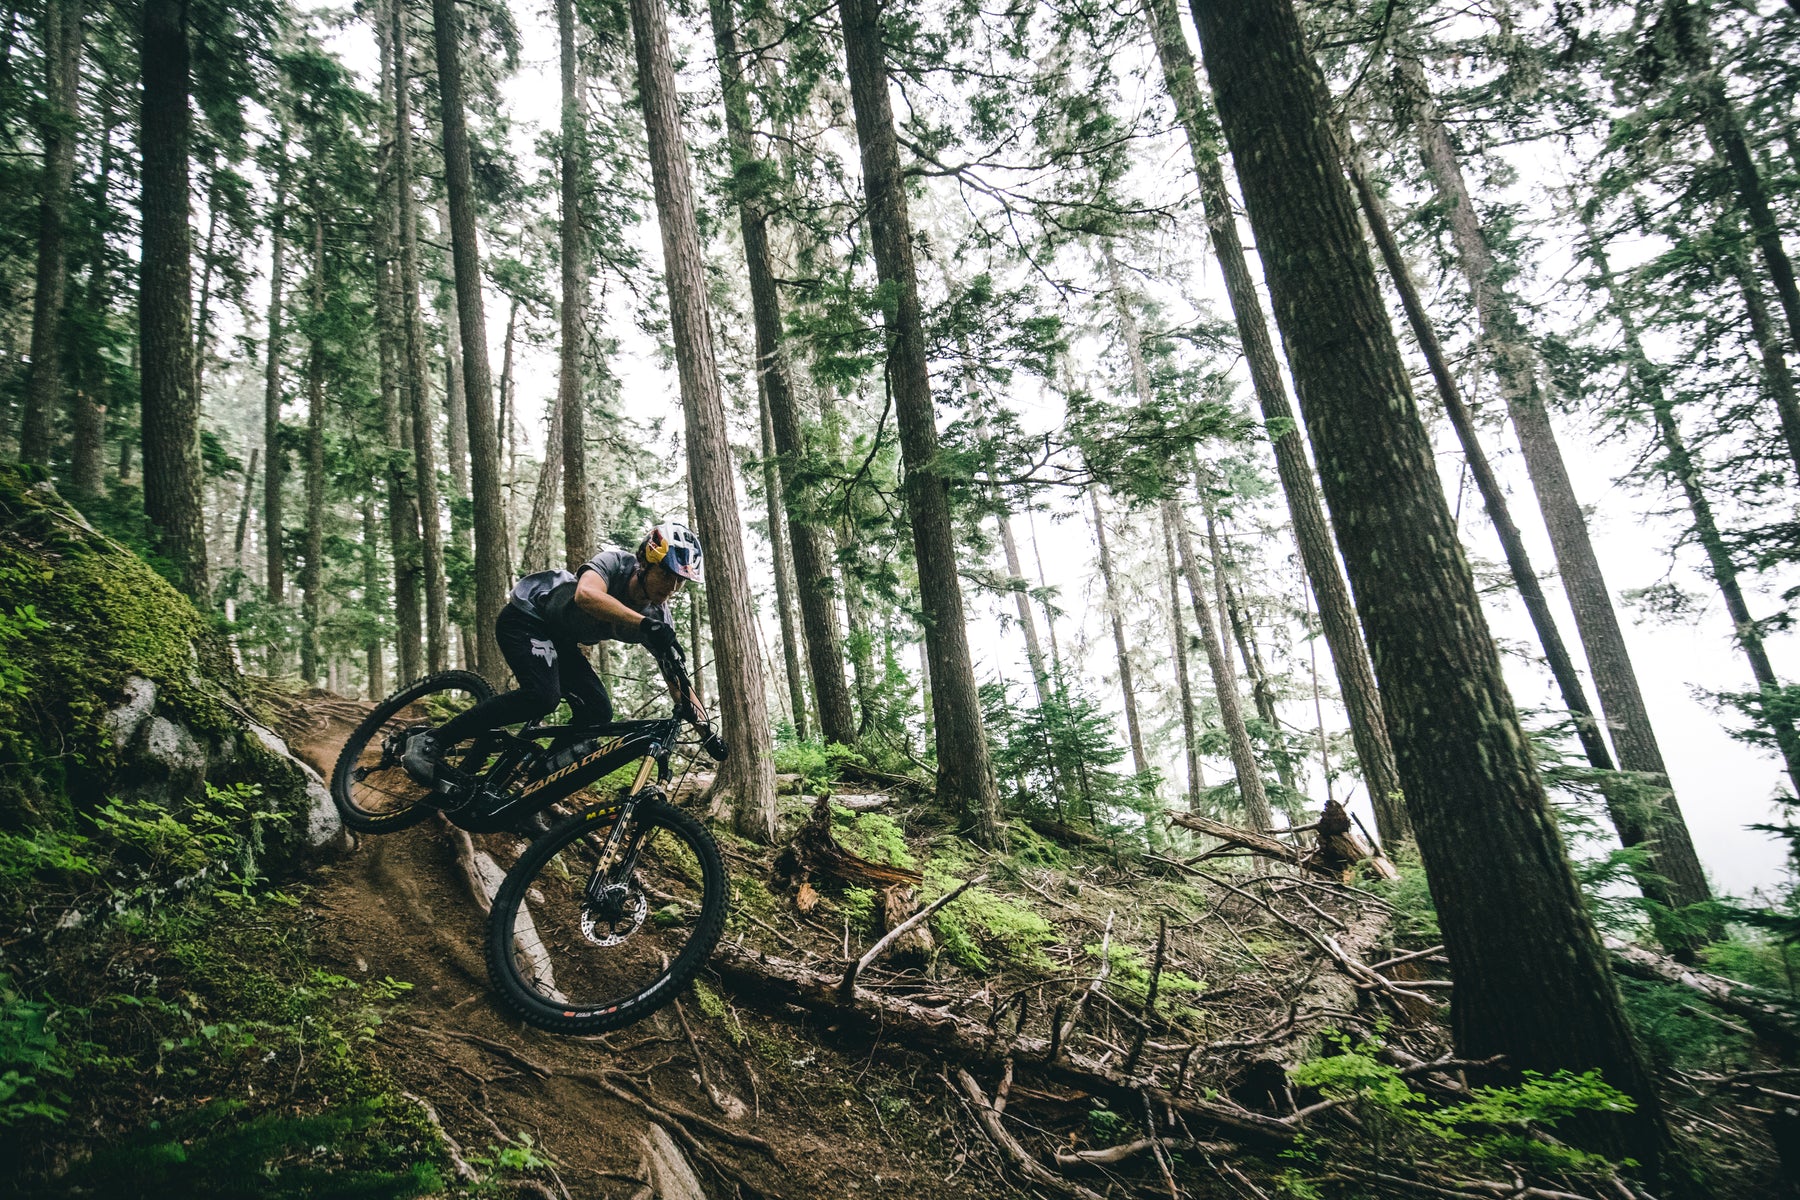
(1495, 1129)
(80, 615)
(196, 1049)
(982, 926)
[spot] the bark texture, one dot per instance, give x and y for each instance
(1115, 609)
(61, 32)
(1337, 617)
(1493, 496)
(965, 771)
(784, 574)
(170, 409)
(1251, 792)
(1190, 733)
(815, 584)
(569, 438)
(493, 573)
(275, 462)
(415, 374)
(402, 500)
(311, 563)
(1652, 817)
(747, 779)
(1532, 979)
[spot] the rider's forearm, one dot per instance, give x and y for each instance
(593, 598)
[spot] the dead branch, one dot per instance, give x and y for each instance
(1770, 1015)
(1068, 1028)
(773, 983)
(1009, 1146)
(463, 1170)
(893, 935)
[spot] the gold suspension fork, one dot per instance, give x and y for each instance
(615, 841)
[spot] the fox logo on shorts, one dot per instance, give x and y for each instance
(544, 650)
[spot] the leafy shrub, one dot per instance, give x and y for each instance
(1495, 1125)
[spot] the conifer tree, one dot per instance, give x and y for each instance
(746, 781)
(1532, 978)
(965, 773)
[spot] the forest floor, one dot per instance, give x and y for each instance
(772, 1090)
(835, 1124)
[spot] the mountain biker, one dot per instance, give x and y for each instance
(617, 595)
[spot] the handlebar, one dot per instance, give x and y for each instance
(674, 671)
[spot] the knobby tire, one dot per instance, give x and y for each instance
(542, 881)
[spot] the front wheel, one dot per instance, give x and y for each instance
(574, 950)
(373, 792)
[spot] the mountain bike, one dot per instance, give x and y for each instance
(609, 912)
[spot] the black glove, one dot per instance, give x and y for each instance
(658, 633)
(716, 747)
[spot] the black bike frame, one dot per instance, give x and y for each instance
(495, 802)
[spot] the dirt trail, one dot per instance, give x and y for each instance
(397, 906)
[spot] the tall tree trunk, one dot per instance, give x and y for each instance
(1678, 461)
(1260, 695)
(372, 597)
(274, 460)
(1343, 637)
(87, 467)
(203, 314)
(1493, 496)
(1115, 608)
(1653, 819)
(61, 31)
(402, 504)
(965, 772)
(416, 375)
(784, 573)
(1020, 587)
(312, 577)
(504, 457)
(816, 586)
(1190, 732)
(456, 395)
(536, 554)
(1225, 686)
(1532, 977)
(569, 438)
(1685, 21)
(171, 410)
(747, 779)
(1777, 376)
(493, 574)
(243, 522)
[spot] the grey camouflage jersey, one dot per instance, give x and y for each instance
(549, 596)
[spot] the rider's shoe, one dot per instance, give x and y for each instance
(421, 758)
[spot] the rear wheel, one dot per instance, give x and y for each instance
(572, 951)
(373, 792)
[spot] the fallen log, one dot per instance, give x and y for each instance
(773, 983)
(1771, 1016)
(1338, 852)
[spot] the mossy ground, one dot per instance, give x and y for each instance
(198, 1049)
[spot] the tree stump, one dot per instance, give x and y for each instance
(815, 855)
(915, 947)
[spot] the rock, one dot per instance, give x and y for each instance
(324, 827)
(123, 722)
(171, 747)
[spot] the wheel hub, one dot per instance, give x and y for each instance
(615, 915)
